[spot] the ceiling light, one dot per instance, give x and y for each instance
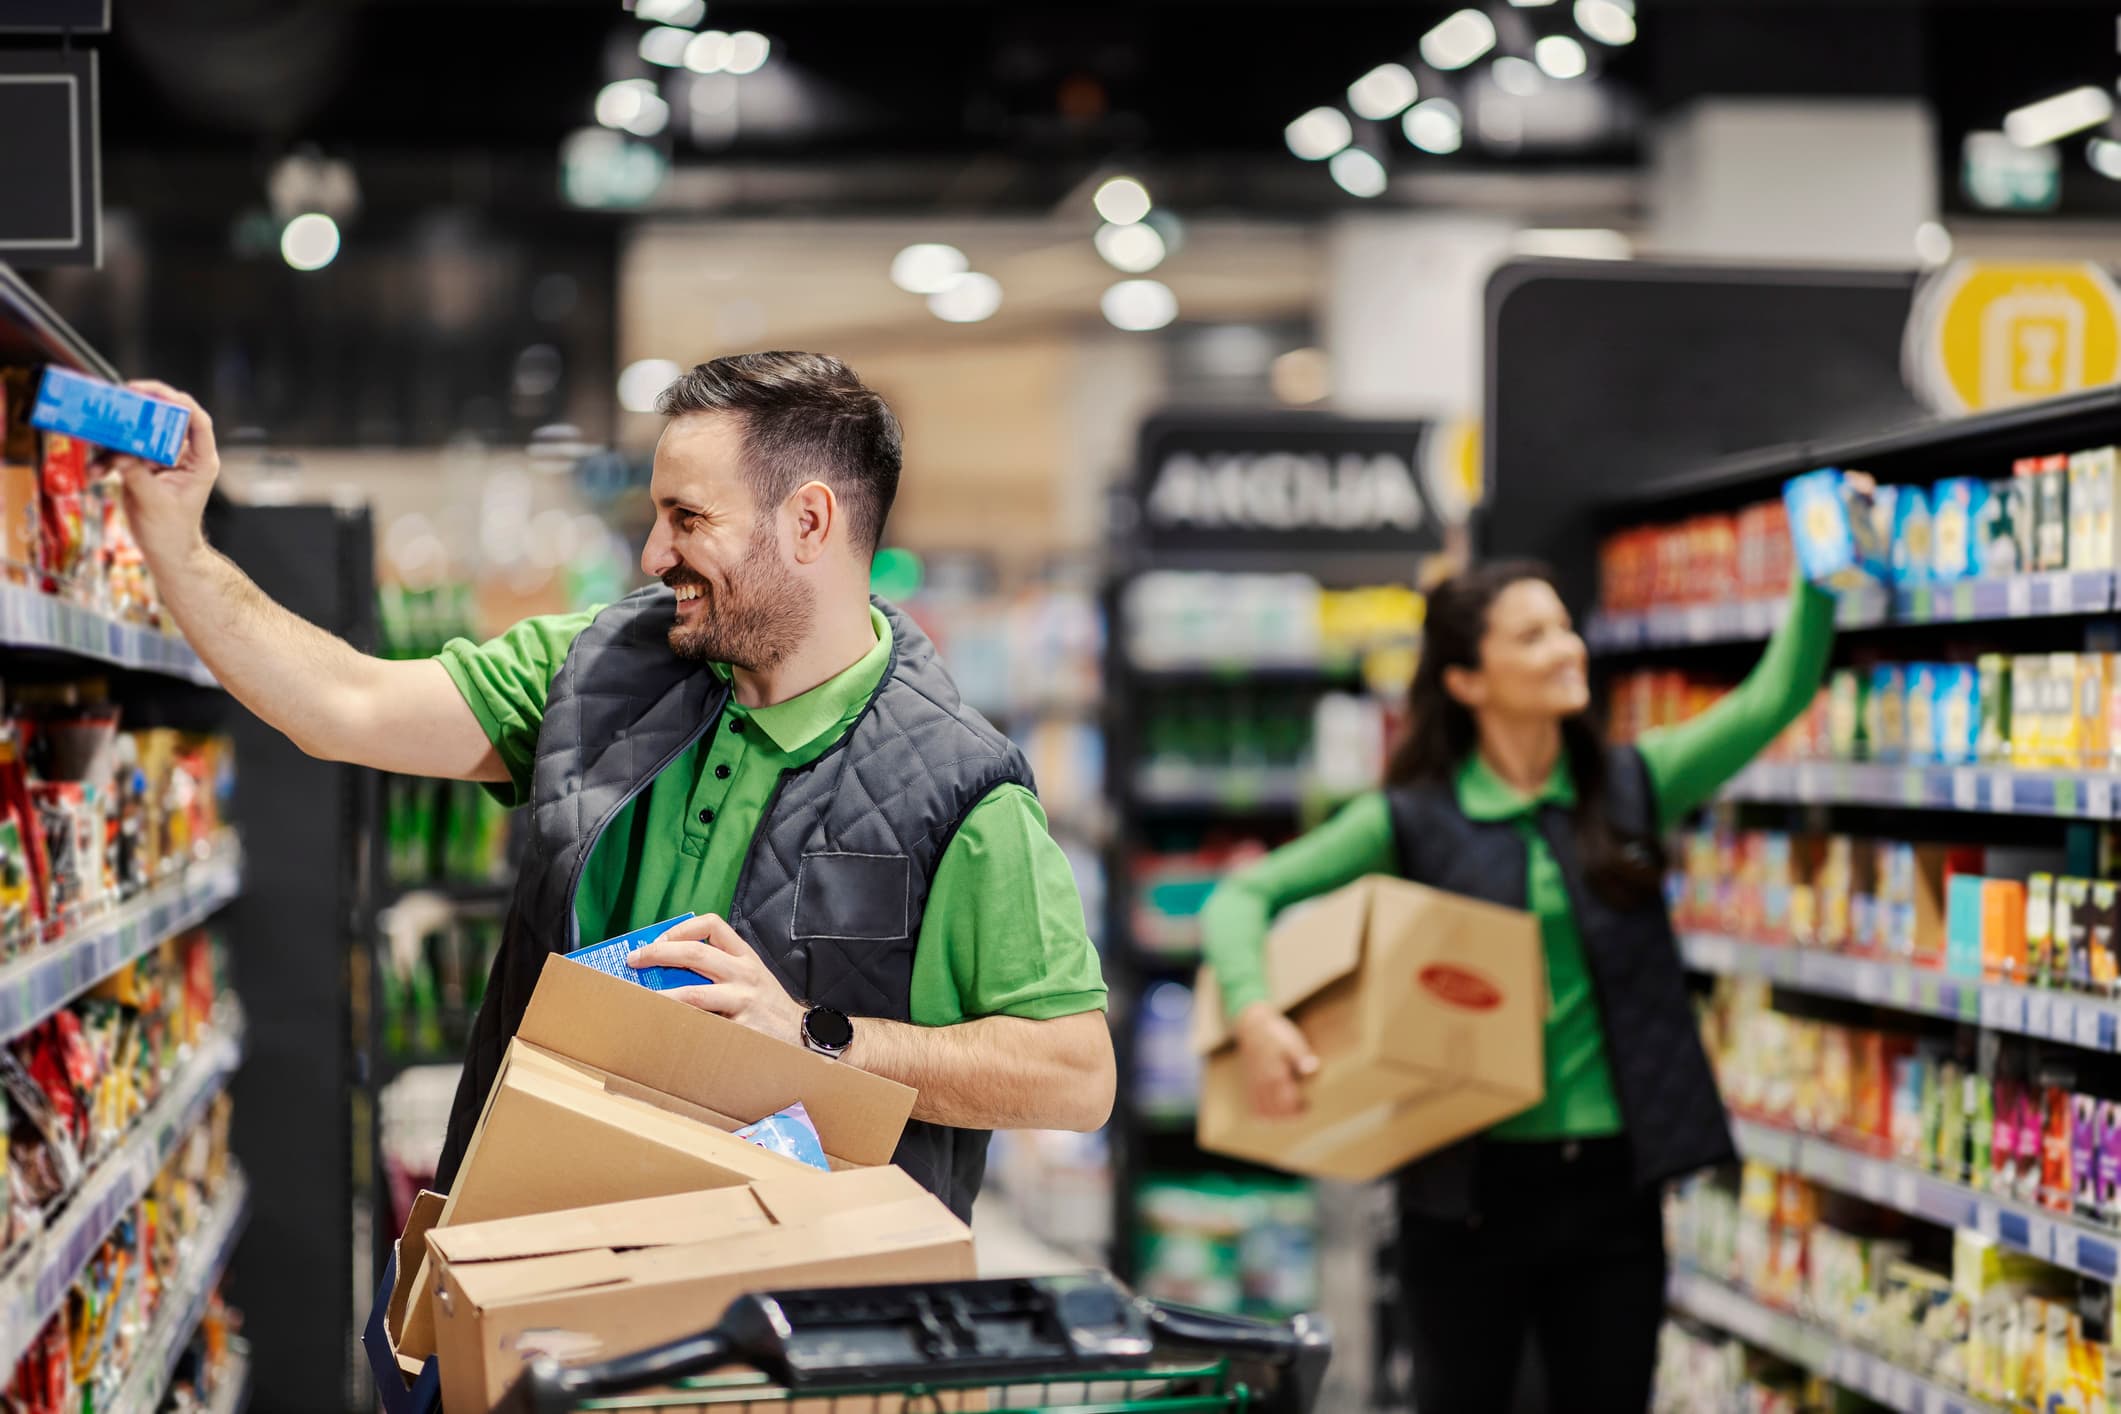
(747, 52)
(1561, 57)
(1459, 40)
(1572, 243)
(1519, 77)
(1134, 249)
(1531, 4)
(1358, 173)
(686, 13)
(2105, 156)
(708, 53)
(928, 268)
(643, 382)
(2037, 124)
(968, 299)
(634, 106)
(1139, 306)
(1607, 21)
(1933, 244)
(1318, 134)
(1122, 201)
(1435, 125)
(310, 242)
(1383, 93)
(665, 46)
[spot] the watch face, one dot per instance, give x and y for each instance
(828, 1028)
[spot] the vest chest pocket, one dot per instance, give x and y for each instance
(853, 897)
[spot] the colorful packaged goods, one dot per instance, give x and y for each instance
(2004, 532)
(1993, 746)
(1959, 516)
(1912, 544)
(1834, 530)
(2091, 479)
(1959, 709)
(2049, 479)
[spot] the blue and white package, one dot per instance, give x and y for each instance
(109, 416)
(1834, 530)
(610, 957)
(789, 1134)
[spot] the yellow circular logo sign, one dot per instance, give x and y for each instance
(1986, 335)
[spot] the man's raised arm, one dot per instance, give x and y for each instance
(330, 700)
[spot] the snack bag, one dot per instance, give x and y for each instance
(789, 1134)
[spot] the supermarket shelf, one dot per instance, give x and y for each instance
(1211, 789)
(30, 332)
(2067, 1018)
(37, 1281)
(32, 619)
(184, 1306)
(1995, 790)
(1269, 670)
(2027, 596)
(41, 981)
(1815, 1348)
(2052, 1237)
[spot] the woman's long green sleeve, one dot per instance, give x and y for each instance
(1690, 762)
(1234, 922)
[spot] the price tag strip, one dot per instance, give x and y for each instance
(49, 975)
(32, 619)
(37, 1281)
(1814, 1347)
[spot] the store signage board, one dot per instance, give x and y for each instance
(50, 164)
(1297, 482)
(55, 17)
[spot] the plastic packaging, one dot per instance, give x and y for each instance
(789, 1134)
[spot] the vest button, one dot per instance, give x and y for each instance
(706, 815)
(721, 772)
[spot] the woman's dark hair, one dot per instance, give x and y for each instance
(1623, 869)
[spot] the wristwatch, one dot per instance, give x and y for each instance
(827, 1031)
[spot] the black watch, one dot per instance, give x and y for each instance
(827, 1031)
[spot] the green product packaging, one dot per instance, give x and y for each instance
(2040, 953)
(1981, 1106)
(1848, 706)
(1994, 742)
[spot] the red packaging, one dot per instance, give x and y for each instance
(2056, 1184)
(64, 484)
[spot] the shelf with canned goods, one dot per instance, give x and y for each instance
(2059, 594)
(1815, 1348)
(37, 1280)
(2061, 1239)
(205, 1257)
(30, 618)
(46, 976)
(1994, 790)
(2064, 1017)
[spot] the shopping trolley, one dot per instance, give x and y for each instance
(1080, 1344)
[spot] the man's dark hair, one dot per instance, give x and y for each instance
(806, 417)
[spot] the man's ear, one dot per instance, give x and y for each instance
(817, 522)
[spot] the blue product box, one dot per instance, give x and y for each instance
(109, 416)
(1958, 713)
(1886, 724)
(1834, 531)
(610, 957)
(1911, 545)
(1922, 713)
(1962, 926)
(1959, 516)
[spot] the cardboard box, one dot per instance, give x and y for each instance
(1425, 1011)
(610, 1092)
(590, 1283)
(402, 1382)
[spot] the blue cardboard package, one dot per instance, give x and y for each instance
(109, 416)
(610, 957)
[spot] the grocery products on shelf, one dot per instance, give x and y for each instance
(1701, 1370)
(1705, 560)
(1229, 1242)
(1059, 1185)
(1192, 620)
(1274, 742)
(1171, 885)
(433, 982)
(415, 1117)
(1166, 1079)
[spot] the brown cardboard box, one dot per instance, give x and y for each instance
(411, 1253)
(611, 1092)
(590, 1283)
(1424, 1009)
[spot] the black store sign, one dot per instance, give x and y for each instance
(1283, 481)
(51, 195)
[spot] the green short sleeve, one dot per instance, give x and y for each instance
(1003, 933)
(505, 681)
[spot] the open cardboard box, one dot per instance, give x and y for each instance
(1425, 1010)
(610, 1092)
(590, 1283)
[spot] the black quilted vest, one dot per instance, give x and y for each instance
(1674, 1117)
(832, 891)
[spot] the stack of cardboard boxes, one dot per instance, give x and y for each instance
(605, 1205)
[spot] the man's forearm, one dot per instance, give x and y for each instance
(999, 1072)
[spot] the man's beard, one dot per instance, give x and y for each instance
(754, 621)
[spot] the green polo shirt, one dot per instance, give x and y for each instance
(1003, 933)
(1687, 764)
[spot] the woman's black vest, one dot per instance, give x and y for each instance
(1674, 1116)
